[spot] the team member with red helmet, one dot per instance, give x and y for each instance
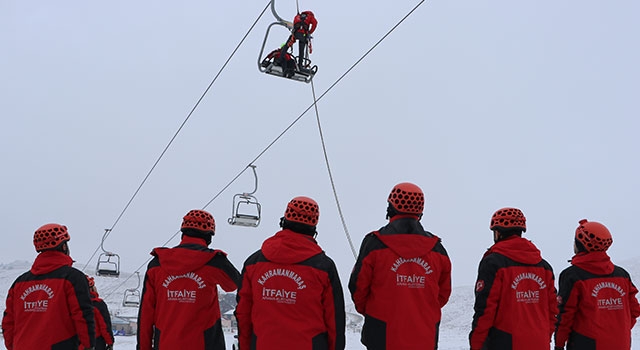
(515, 298)
(290, 296)
(52, 299)
(179, 307)
(598, 305)
(304, 24)
(102, 317)
(402, 278)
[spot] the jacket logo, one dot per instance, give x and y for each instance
(284, 273)
(281, 296)
(37, 305)
(413, 280)
(527, 294)
(190, 275)
(610, 303)
(182, 296)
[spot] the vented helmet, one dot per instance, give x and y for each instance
(508, 218)
(199, 220)
(91, 280)
(594, 236)
(407, 198)
(303, 210)
(50, 236)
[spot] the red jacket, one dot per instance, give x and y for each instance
(400, 282)
(598, 305)
(515, 306)
(290, 297)
(104, 332)
(52, 300)
(308, 26)
(179, 307)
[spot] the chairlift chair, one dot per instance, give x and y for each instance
(131, 296)
(303, 75)
(242, 217)
(108, 265)
(108, 262)
(246, 217)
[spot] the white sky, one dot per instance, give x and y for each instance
(482, 104)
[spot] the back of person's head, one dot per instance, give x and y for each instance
(92, 284)
(200, 224)
(508, 222)
(301, 216)
(592, 236)
(405, 199)
(51, 237)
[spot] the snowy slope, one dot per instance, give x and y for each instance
(455, 326)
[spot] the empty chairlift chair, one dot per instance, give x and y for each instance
(131, 296)
(246, 209)
(108, 262)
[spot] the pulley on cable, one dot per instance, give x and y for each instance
(108, 262)
(246, 209)
(131, 296)
(281, 61)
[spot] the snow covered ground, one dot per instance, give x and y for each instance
(455, 326)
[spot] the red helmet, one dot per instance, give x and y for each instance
(199, 220)
(507, 218)
(407, 198)
(594, 236)
(50, 236)
(303, 210)
(91, 281)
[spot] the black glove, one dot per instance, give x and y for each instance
(109, 347)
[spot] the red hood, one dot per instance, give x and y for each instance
(597, 263)
(190, 255)
(288, 247)
(408, 245)
(517, 249)
(50, 260)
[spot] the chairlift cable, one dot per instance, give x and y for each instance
(176, 134)
(333, 185)
(290, 125)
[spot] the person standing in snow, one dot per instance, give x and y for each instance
(52, 299)
(515, 298)
(102, 317)
(598, 305)
(290, 296)
(179, 307)
(402, 278)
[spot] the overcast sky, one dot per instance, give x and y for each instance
(532, 104)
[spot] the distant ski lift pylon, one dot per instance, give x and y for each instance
(108, 262)
(246, 209)
(131, 296)
(271, 67)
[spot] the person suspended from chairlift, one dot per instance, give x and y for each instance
(286, 61)
(304, 24)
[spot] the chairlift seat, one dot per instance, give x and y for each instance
(245, 220)
(108, 273)
(298, 75)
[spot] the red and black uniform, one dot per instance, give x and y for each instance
(598, 305)
(104, 332)
(290, 297)
(49, 307)
(515, 306)
(400, 282)
(287, 62)
(179, 307)
(304, 24)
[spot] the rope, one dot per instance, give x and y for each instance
(333, 185)
(292, 124)
(175, 135)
